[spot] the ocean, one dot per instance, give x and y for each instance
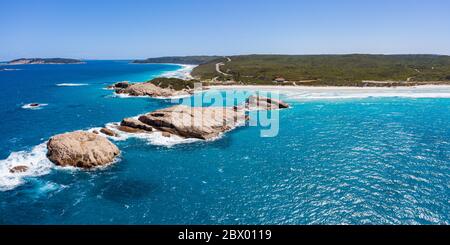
(372, 160)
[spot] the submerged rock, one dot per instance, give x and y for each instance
(256, 102)
(18, 169)
(166, 134)
(194, 122)
(81, 149)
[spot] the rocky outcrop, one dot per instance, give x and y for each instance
(81, 149)
(120, 85)
(197, 122)
(127, 129)
(256, 102)
(150, 89)
(108, 132)
(134, 123)
(194, 122)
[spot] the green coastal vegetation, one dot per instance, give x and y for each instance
(186, 60)
(44, 61)
(337, 70)
(175, 83)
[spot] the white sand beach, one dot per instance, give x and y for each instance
(183, 73)
(311, 92)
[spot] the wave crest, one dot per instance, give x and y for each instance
(32, 106)
(71, 84)
(35, 161)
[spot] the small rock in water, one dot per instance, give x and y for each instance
(133, 123)
(166, 134)
(81, 149)
(263, 103)
(127, 129)
(18, 169)
(108, 131)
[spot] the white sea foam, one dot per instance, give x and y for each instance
(10, 69)
(35, 160)
(31, 107)
(154, 138)
(127, 96)
(71, 84)
(183, 73)
(175, 97)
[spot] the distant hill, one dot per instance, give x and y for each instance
(32, 61)
(338, 70)
(187, 60)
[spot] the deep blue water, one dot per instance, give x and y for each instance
(357, 161)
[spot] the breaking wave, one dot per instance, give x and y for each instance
(153, 138)
(35, 161)
(183, 73)
(71, 84)
(31, 106)
(10, 69)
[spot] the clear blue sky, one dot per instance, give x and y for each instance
(101, 29)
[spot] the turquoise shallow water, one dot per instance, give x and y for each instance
(358, 161)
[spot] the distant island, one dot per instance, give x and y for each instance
(33, 61)
(185, 60)
(326, 70)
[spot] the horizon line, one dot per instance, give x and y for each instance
(247, 54)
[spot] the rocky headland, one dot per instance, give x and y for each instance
(159, 87)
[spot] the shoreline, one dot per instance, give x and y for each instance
(287, 87)
(182, 73)
(336, 92)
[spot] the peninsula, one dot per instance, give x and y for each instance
(35, 61)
